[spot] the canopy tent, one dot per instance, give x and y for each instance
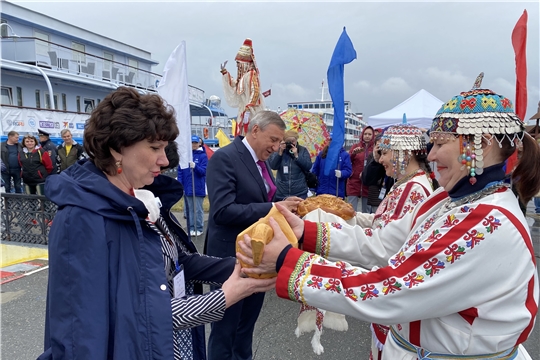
(420, 109)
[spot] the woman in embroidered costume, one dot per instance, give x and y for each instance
(464, 283)
(404, 156)
(244, 92)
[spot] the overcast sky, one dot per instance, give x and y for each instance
(401, 47)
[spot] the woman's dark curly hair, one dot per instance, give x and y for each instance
(123, 118)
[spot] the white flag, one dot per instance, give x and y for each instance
(173, 88)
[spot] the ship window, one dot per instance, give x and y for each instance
(107, 64)
(311, 106)
(78, 104)
(38, 99)
(78, 52)
(88, 105)
(300, 106)
(7, 96)
(64, 102)
(4, 29)
(19, 96)
(133, 63)
(48, 101)
(42, 44)
(316, 106)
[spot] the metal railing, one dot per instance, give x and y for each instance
(26, 218)
(49, 55)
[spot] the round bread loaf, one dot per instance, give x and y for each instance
(329, 203)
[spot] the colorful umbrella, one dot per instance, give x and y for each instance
(311, 128)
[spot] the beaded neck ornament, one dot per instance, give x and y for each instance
(472, 116)
(403, 140)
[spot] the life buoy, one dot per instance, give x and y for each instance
(205, 133)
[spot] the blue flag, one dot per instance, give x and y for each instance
(343, 54)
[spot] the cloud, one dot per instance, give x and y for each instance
(292, 91)
(395, 85)
(362, 85)
(446, 78)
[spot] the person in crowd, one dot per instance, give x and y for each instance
(47, 145)
(333, 183)
(375, 178)
(464, 283)
(36, 165)
(292, 162)
(10, 157)
(404, 160)
(68, 152)
(194, 200)
(241, 189)
(129, 252)
(3, 183)
(357, 191)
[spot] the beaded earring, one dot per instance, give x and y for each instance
(118, 167)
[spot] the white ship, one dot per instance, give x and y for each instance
(354, 122)
(53, 74)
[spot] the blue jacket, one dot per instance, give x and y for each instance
(106, 272)
(184, 175)
(327, 184)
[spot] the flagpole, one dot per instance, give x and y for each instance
(194, 205)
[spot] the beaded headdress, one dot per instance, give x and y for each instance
(403, 139)
(471, 116)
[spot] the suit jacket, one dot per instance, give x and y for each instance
(237, 196)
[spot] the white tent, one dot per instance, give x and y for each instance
(420, 109)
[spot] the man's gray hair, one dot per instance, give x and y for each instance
(65, 131)
(264, 119)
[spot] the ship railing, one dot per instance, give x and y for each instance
(49, 55)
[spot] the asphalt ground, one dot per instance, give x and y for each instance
(23, 314)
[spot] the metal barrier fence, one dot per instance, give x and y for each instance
(26, 218)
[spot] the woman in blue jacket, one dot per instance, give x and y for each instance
(117, 258)
(343, 170)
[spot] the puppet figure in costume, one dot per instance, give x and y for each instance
(244, 92)
(464, 283)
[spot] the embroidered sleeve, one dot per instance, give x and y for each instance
(443, 262)
(372, 244)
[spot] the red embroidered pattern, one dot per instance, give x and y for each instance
(491, 224)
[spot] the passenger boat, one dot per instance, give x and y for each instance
(53, 74)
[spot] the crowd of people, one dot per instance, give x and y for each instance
(26, 165)
(441, 266)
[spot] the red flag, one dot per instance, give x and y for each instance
(519, 42)
(267, 93)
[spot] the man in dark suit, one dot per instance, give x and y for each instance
(240, 189)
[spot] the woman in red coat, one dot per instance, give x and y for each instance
(359, 154)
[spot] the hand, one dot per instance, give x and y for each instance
(282, 147)
(357, 150)
(297, 224)
(338, 174)
(191, 165)
(237, 287)
(290, 203)
(222, 66)
(376, 155)
(294, 150)
(270, 254)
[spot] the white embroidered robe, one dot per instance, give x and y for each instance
(464, 281)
